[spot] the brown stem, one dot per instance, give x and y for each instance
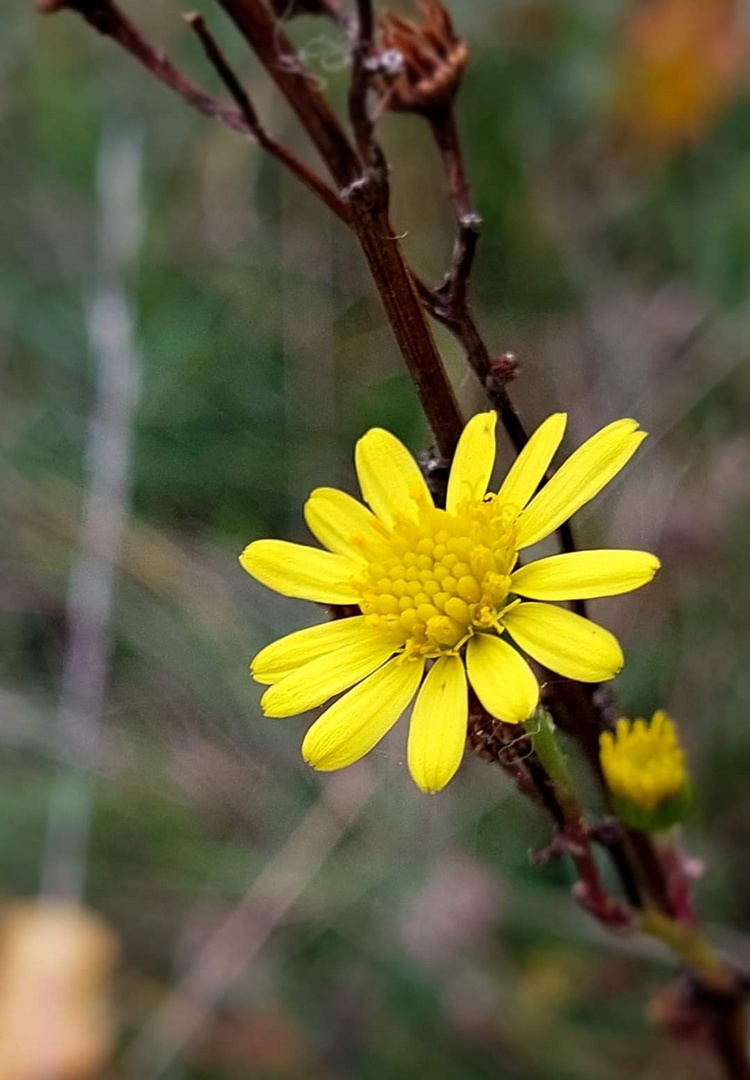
(394, 282)
(653, 873)
(107, 18)
(445, 133)
(359, 115)
(450, 304)
(248, 112)
(261, 29)
(501, 744)
(589, 891)
(366, 190)
(610, 834)
(576, 711)
(730, 1041)
(678, 882)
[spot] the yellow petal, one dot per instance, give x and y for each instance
(527, 471)
(316, 682)
(341, 523)
(389, 476)
(437, 732)
(582, 575)
(284, 656)
(565, 642)
(503, 681)
(302, 572)
(579, 479)
(473, 462)
(358, 721)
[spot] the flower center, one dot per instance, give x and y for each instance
(433, 582)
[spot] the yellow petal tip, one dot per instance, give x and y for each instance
(268, 713)
(244, 557)
(315, 761)
(616, 671)
(371, 434)
(432, 787)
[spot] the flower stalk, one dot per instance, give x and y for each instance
(574, 836)
(687, 943)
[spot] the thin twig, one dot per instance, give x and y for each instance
(359, 114)
(107, 18)
(248, 112)
(445, 133)
(451, 303)
(260, 27)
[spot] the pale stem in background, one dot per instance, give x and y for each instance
(116, 362)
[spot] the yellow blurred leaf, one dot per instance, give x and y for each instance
(680, 66)
(55, 964)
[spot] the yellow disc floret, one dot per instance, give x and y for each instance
(435, 580)
(644, 767)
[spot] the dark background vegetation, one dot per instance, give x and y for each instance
(380, 934)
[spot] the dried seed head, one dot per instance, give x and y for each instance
(419, 64)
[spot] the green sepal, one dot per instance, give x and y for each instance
(670, 812)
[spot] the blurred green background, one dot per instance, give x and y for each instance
(160, 273)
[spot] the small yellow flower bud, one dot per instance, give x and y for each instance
(644, 767)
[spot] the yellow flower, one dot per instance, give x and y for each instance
(440, 593)
(644, 767)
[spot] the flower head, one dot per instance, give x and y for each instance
(441, 595)
(430, 60)
(644, 767)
